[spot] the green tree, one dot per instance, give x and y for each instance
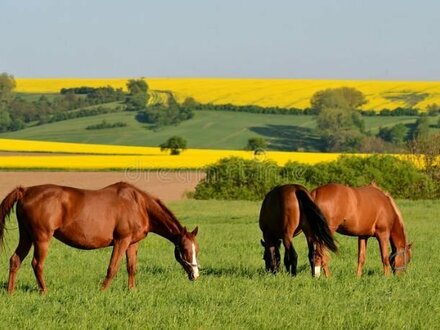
(7, 86)
(5, 120)
(137, 98)
(343, 97)
(258, 145)
(396, 134)
(421, 128)
(175, 144)
(425, 152)
(339, 120)
(340, 128)
(433, 109)
(171, 113)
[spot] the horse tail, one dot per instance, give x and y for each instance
(6, 207)
(316, 220)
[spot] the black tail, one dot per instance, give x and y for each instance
(6, 207)
(316, 220)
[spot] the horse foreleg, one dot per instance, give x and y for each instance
(362, 247)
(22, 250)
(119, 248)
(131, 255)
(383, 244)
(40, 254)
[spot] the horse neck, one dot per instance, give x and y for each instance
(162, 221)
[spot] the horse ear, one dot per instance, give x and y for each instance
(184, 230)
(195, 231)
(263, 243)
(410, 245)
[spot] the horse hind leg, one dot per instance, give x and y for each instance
(22, 250)
(120, 247)
(362, 247)
(290, 257)
(131, 255)
(40, 254)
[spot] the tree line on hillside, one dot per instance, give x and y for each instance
(18, 111)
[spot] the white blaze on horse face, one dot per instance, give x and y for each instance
(317, 271)
(195, 268)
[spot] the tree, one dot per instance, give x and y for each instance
(137, 98)
(175, 144)
(340, 128)
(339, 120)
(171, 113)
(257, 145)
(343, 97)
(7, 86)
(396, 134)
(5, 120)
(421, 128)
(425, 152)
(433, 109)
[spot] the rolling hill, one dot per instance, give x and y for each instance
(207, 130)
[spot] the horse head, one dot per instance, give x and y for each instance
(271, 256)
(400, 259)
(186, 250)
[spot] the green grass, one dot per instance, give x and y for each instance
(233, 290)
(208, 129)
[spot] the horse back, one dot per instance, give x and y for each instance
(354, 211)
(83, 218)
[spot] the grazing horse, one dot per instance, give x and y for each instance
(119, 215)
(364, 212)
(286, 211)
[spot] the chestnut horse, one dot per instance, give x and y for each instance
(286, 211)
(364, 212)
(119, 215)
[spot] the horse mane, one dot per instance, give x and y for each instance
(161, 215)
(168, 212)
(156, 209)
(397, 212)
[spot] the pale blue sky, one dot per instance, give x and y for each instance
(375, 39)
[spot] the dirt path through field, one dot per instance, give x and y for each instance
(166, 185)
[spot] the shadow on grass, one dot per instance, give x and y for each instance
(244, 272)
(20, 287)
(289, 138)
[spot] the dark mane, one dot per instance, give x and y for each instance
(166, 211)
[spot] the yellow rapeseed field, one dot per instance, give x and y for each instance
(77, 156)
(286, 93)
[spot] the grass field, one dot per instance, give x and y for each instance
(207, 130)
(285, 93)
(233, 290)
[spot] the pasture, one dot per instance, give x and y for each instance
(207, 130)
(233, 291)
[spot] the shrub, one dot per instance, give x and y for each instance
(237, 178)
(104, 124)
(400, 178)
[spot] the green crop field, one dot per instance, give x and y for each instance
(208, 129)
(233, 290)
